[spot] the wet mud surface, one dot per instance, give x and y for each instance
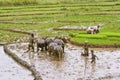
(10, 70)
(73, 66)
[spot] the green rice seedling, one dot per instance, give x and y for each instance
(92, 36)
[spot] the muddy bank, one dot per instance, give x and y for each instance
(2, 43)
(16, 31)
(10, 70)
(77, 28)
(96, 45)
(73, 66)
(23, 63)
(70, 21)
(13, 22)
(68, 29)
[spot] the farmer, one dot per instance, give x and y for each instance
(86, 51)
(93, 57)
(31, 43)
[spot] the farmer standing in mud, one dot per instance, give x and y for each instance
(93, 57)
(31, 43)
(86, 50)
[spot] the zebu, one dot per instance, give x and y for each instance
(93, 29)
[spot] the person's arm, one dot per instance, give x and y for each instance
(97, 57)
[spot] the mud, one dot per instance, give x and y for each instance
(73, 66)
(10, 70)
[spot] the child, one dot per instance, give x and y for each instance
(93, 57)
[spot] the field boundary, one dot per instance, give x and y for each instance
(13, 22)
(68, 29)
(2, 43)
(16, 31)
(73, 21)
(96, 45)
(62, 21)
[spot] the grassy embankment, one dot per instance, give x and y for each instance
(86, 13)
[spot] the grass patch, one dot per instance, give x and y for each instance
(110, 34)
(11, 37)
(96, 41)
(95, 36)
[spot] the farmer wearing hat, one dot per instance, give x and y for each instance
(86, 50)
(31, 43)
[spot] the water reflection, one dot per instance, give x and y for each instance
(57, 64)
(85, 66)
(32, 59)
(89, 68)
(93, 69)
(55, 60)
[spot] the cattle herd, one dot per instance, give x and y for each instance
(54, 46)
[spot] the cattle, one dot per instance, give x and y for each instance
(93, 29)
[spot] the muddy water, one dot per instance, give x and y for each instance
(73, 66)
(10, 70)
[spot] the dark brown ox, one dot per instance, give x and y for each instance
(58, 50)
(48, 40)
(60, 42)
(41, 44)
(51, 47)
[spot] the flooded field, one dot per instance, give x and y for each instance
(10, 70)
(73, 66)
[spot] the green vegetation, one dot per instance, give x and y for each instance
(11, 37)
(101, 38)
(41, 16)
(35, 2)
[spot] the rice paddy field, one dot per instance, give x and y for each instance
(41, 16)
